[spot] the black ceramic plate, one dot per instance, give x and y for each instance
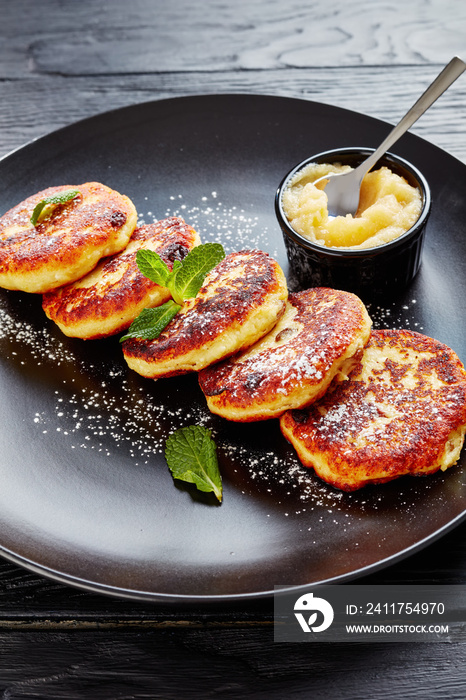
(86, 497)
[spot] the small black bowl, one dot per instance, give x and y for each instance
(378, 272)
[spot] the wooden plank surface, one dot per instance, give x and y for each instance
(236, 665)
(63, 101)
(61, 61)
(95, 37)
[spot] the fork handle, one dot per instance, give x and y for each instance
(449, 74)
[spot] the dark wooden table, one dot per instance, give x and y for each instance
(61, 61)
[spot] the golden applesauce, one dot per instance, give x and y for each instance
(388, 207)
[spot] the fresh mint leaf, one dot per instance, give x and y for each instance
(153, 267)
(45, 207)
(191, 456)
(151, 322)
(184, 281)
(189, 277)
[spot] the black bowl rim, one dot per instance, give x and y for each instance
(352, 252)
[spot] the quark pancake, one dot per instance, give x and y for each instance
(294, 364)
(240, 301)
(402, 410)
(67, 244)
(109, 298)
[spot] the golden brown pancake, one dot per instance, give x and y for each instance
(67, 244)
(294, 364)
(109, 298)
(240, 301)
(402, 410)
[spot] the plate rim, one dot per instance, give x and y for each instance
(135, 594)
(145, 596)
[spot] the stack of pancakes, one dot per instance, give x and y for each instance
(359, 405)
(82, 258)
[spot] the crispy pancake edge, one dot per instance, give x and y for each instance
(69, 243)
(326, 327)
(108, 299)
(215, 324)
(431, 441)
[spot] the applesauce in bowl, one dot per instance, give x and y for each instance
(371, 254)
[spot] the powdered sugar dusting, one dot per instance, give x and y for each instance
(394, 316)
(284, 478)
(232, 226)
(98, 420)
(40, 344)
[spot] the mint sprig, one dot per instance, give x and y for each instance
(151, 322)
(189, 276)
(191, 456)
(45, 207)
(154, 268)
(183, 281)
